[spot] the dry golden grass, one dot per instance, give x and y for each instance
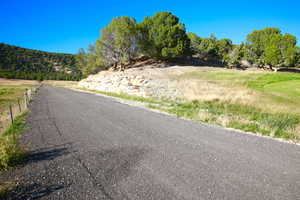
(10, 91)
(205, 85)
(203, 90)
(71, 84)
(17, 82)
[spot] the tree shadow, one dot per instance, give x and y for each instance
(37, 191)
(195, 62)
(106, 168)
(294, 70)
(31, 191)
(46, 154)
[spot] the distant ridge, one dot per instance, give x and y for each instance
(23, 63)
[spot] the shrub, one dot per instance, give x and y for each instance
(10, 152)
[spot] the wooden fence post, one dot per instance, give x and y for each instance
(11, 114)
(20, 109)
(25, 100)
(29, 95)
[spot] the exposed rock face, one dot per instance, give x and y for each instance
(145, 82)
(171, 82)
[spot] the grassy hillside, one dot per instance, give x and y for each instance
(269, 91)
(22, 63)
(267, 103)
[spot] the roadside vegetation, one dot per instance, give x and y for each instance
(242, 117)
(10, 91)
(271, 107)
(266, 103)
(11, 153)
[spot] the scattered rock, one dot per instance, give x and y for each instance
(145, 83)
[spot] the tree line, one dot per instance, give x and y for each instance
(22, 63)
(164, 37)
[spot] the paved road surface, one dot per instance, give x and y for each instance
(90, 147)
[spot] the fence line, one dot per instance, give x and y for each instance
(14, 109)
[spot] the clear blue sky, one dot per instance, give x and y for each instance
(67, 25)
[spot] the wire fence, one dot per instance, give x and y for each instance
(13, 109)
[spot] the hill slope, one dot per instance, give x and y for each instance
(17, 62)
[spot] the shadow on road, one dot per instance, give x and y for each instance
(47, 154)
(32, 191)
(108, 167)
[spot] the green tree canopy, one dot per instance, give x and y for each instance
(22, 63)
(119, 41)
(195, 42)
(89, 61)
(269, 47)
(163, 36)
(210, 48)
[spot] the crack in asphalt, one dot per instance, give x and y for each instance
(91, 176)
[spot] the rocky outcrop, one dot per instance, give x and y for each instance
(139, 82)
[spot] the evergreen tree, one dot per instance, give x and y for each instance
(164, 37)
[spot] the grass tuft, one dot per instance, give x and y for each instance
(10, 151)
(248, 127)
(243, 117)
(6, 91)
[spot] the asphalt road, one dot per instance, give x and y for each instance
(85, 146)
